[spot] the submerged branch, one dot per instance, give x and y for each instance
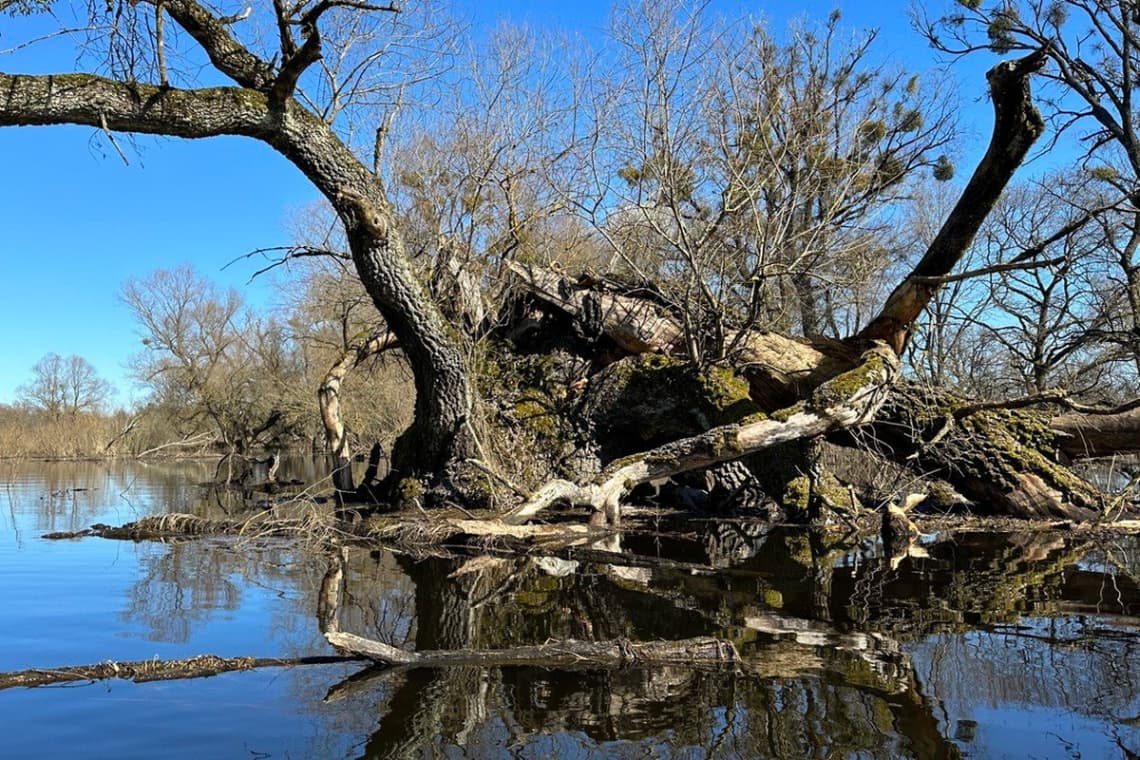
(142, 671)
(565, 652)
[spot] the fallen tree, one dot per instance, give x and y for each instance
(549, 431)
(1002, 457)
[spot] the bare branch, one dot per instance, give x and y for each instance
(227, 54)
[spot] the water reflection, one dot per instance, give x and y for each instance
(845, 655)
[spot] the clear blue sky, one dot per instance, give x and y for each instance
(75, 222)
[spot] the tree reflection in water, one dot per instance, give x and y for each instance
(829, 632)
(992, 645)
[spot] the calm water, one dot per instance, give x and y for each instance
(993, 646)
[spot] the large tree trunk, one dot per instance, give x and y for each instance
(849, 399)
(1003, 460)
(1017, 125)
(1083, 435)
(443, 392)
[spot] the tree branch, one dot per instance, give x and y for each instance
(142, 671)
(227, 54)
(565, 652)
(103, 103)
(1017, 125)
(848, 399)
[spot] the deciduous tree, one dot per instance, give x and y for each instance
(65, 385)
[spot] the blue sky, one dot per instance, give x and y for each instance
(76, 222)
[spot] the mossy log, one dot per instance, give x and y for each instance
(780, 369)
(1003, 460)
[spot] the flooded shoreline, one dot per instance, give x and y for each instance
(842, 655)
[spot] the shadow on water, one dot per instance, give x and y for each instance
(991, 645)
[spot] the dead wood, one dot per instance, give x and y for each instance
(152, 527)
(849, 399)
(1002, 459)
(328, 400)
(566, 652)
(1017, 125)
(634, 324)
(142, 671)
(1083, 434)
(780, 369)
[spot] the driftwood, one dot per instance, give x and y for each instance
(141, 671)
(566, 652)
(849, 399)
(152, 527)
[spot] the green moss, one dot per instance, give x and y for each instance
(840, 388)
(409, 489)
(991, 450)
(785, 414)
(754, 418)
(652, 399)
(797, 493)
(534, 411)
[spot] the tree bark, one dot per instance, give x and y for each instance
(1017, 125)
(1080, 436)
(1003, 460)
(780, 369)
(328, 401)
(848, 399)
(443, 392)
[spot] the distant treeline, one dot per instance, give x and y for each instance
(28, 432)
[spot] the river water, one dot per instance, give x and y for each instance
(992, 646)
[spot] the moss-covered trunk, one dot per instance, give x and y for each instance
(1003, 460)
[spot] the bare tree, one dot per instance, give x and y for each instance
(293, 92)
(62, 386)
(211, 366)
(1092, 54)
(754, 174)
